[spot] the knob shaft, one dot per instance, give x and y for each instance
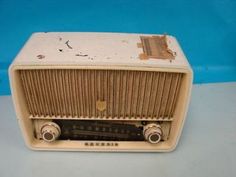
(50, 131)
(152, 133)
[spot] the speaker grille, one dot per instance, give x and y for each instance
(107, 94)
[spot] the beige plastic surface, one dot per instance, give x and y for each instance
(43, 51)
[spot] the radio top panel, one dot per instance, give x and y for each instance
(99, 49)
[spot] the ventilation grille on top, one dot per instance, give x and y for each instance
(156, 47)
(101, 93)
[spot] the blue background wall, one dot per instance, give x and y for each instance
(206, 29)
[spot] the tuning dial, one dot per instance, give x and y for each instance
(152, 133)
(50, 131)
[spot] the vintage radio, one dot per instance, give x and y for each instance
(101, 91)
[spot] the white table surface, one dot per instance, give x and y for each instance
(207, 146)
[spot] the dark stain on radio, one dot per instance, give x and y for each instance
(40, 57)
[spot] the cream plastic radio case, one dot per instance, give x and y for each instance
(101, 91)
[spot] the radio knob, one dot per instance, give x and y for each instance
(50, 131)
(152, 133)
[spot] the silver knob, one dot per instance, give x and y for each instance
(152, 133)
(50, 131)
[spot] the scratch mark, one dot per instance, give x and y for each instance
(125, 41)
(81, 55)
(68, 45)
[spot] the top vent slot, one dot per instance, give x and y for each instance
(156, 47)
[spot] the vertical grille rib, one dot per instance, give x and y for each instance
(126, 94)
